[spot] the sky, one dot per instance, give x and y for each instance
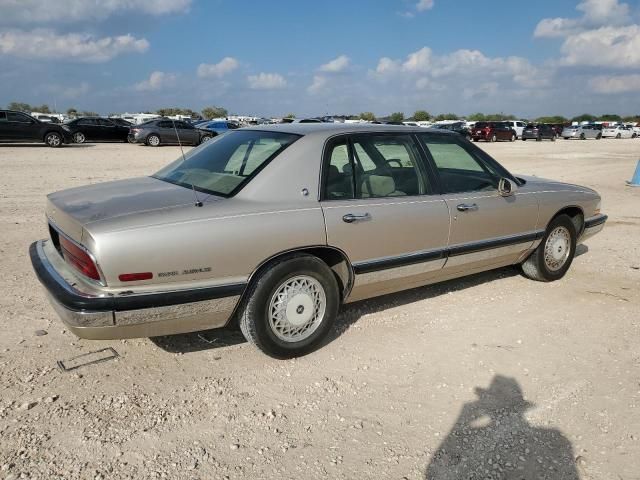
(270, 58)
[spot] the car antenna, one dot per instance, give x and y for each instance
(197, 202)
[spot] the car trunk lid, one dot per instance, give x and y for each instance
(73, 209)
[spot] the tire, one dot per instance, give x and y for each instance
(599, 137)
(205, 138)
(582, 137)
(153, 140)
(553, 139)
(79, 137)
(633, 135)
(53, 139)
(566, 138)
(494, 138)
(305, 274)
(543, 264)
(524, 139)
(475, 139)
(513, 138)
(618, 136)
(538, 139)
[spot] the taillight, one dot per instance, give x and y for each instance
(79, 259)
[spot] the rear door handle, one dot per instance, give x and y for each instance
(463, 207)
(351, 217)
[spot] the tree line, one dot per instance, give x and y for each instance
(418, 116)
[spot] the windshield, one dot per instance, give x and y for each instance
(225, 164)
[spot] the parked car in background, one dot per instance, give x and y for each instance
(538, 132)
(517, 126)
(581, 132)
(457, 127)
(216, 127)
(279, 226)
(97, 129)
(168, 132)
(618, 131)
(20, 127)
(492, 132)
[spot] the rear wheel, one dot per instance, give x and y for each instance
(494, 138)
(566, 138)
(206, 138)
(553, 257)
(618, 136)
(582, 137)
(291, 307)
(553, 139)
(78, 137)
(599, 137)
(538, 138)
(153, 140)
(513, 138)
(53, 139)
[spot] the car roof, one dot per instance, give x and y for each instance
(330, 129)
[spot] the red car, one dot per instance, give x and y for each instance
(492, 132)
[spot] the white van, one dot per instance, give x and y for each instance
(517, 125)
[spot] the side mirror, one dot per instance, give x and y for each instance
(507, 187)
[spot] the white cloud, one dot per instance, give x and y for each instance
(615, 84)
(75, 92)
(68, 11)
(156, 81)
(463, 63)
(217, 70)
(319, 83)
(604, 47)
(266, 81)
(595, 14)
(339, 64)
(46, 44)
(424, 5)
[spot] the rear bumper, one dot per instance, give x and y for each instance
(592, 226)
(111, 316)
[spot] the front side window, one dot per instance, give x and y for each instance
(225, 164)
(459, 170)
(18, 117)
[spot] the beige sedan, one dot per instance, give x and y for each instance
(278, 226)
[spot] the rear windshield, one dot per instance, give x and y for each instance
(483, 124)
(222, 166)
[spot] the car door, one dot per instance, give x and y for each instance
(188, 134)
(105, 130)
(381, 210)
(486, 228)
(167, 132)
(21, 127)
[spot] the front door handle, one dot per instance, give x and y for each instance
(463, 207)
(351, 217)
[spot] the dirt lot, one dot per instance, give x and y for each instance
(402, 375)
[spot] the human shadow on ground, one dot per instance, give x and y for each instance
(492, 440)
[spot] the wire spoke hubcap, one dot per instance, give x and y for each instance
(297, 308)
(557, 248)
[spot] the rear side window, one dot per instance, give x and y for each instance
(3, 116)
(459, 170)
(376, 166)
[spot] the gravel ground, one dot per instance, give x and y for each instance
(492, 376)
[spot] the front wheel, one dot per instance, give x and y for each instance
(291, 307)
(618, 136)
(53, 139)
(582, 137)
(553, 257)
(205, 138)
